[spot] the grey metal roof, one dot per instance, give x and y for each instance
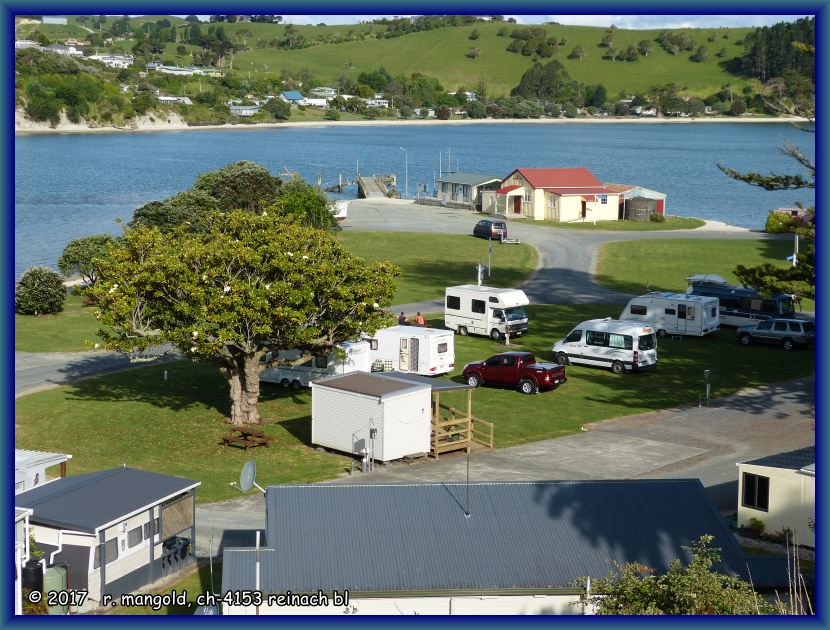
(367, 384)
(437, 384)
(471, 179)
(792, 460)
(534, 535)
(88, 502)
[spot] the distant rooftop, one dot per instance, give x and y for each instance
(471, 179)
(791, 460)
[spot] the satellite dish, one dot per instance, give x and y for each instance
(247, 478)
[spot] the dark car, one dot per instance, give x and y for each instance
(515, 369)
(488, 228)
(788, 333)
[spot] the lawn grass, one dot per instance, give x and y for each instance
(67, 331)
(671, 223)
(196, 582)
(423, 277)
(431, 262)
(624, 267)
(174, 427)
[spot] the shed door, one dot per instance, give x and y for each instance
(517, 204)
(660, 206)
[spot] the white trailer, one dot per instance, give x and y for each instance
(477, 310)
(675, 313)
(375, 416)
(412, 349)
(357, 358)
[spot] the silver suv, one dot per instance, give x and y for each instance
(789, 333)
(488, 228)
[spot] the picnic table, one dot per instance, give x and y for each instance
(246, 437)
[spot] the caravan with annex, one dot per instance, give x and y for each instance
(475, 310)
(620, 345)
(412, 350)
(674, 313)
(741, 305)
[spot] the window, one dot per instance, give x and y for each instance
(442, 348)
(552, 201)
(373, 344)
(713, 312)
(690, 312)
(638, 309)
(479, 306)
(574, 335)
(453, 302)
(403, 344)
(769, 306)
(509, 361)
(110, 551)
(781, 326)
(670, 311)
(681, 311)
(321, 362)
(593, 338)
(756, 492)
(603, 200)
(809, 327)
(730, 302)
(493, 300)
(527, 197)
(647, 342)
(620, 341)
(766, 325)
(795, 327)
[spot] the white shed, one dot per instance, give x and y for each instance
(345, 408)
(30, 468)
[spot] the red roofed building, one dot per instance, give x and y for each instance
(556, 194)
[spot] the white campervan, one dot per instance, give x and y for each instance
(476, 310)
(620, 345)
(356, 359)
(413, 349)
(674, 313)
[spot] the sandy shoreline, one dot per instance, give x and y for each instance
(30, 128)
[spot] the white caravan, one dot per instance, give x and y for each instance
(476, 310)
(357, 359)
(674, 313)
(620, 345)
(412, 349)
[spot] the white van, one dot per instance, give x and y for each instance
(357, 359)
(622, 346)
(412, 349)
(675, 313)
(475, 310)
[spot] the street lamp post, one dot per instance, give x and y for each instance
(406, 171)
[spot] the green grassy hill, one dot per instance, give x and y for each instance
(441, 53)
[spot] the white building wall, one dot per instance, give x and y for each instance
(406, 425)
(791, 502)
(458, 605)
(340, 420)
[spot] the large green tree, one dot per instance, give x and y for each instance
(79, 257)
(248, 286)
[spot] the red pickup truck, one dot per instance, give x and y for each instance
(516, 369)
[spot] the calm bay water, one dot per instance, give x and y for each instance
(67, 186)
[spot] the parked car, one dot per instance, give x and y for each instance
(488, 228)
(789, 333)
(517, 369)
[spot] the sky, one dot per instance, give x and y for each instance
(621, 21)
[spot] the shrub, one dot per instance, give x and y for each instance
(656, 217)
(39, 290)
(778, 222)
(757, 525)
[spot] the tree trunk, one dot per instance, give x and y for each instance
(243, 382)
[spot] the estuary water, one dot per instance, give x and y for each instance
(72, 185)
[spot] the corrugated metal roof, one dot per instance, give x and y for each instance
(791, 460)
(367, 384)
(87, 502)
(27, 459)
(437, 384)
(293, 95)
(471, 179)
(589, 190)
(519, 535)
(507, 189)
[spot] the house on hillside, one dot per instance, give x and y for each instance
(69, 51)
(324, 92)
(53, 19)
(780, 491)
(481, 548)
(465, 187)
(20, 44)
(556, 194)
(116, 530)
(243, 111)
(114, 61)
(184, 100)
(293, 97)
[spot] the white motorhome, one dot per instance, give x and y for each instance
(476, 310)
(674, 313)
(412, 349)
(622, 346)
(356, 359)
